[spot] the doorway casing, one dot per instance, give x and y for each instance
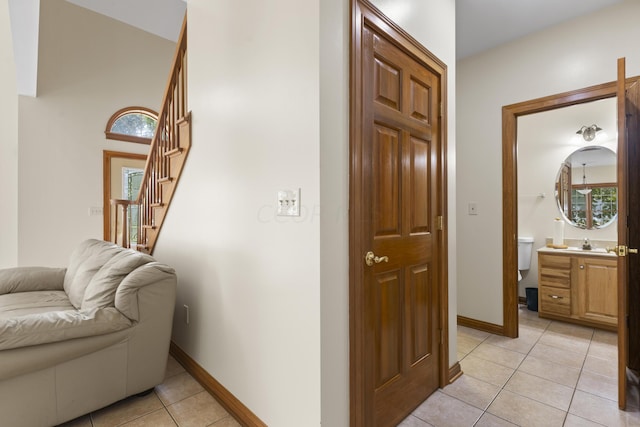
(510, 114)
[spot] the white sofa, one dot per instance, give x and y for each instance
(76, 339)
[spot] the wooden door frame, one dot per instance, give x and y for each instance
(107, 156)
(510, 114)
(362, 11)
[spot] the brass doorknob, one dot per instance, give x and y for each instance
(370, 258)
(622, 250)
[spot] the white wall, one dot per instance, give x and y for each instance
(89, 67)
(250, 278)
(8, 146)
(580, 53)
(269, 295)
(334, 211)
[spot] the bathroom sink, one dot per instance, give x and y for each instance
(579, 249)
(599, 250)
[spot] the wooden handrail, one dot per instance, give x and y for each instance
(166, 141)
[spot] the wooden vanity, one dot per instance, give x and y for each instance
(578, 286)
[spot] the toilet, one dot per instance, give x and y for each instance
(525, 246)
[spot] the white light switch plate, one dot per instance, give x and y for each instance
(289, 202)
(95, 210)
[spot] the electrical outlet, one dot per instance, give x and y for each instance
(186, 314)
(473, 208)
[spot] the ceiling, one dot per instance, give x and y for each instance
(480, 24)
(485, 24)
(160, 17)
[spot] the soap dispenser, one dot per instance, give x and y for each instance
(586, 245)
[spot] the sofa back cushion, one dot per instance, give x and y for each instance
(101, 290)
(85, 262)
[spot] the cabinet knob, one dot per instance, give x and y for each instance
(581, 267)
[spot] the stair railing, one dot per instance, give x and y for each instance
(169, 146)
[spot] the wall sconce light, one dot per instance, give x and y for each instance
(589, 132)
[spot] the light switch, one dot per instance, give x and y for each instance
(473, 208)
(289, 202)
(95, 211)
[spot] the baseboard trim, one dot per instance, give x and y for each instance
(241, 413)
(455, 372)
(481, 325)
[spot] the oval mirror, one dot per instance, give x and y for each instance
(586, 188)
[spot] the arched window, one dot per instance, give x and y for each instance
(132, 124)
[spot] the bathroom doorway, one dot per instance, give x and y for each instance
(552, 156)
(511, 115)
(629, 231)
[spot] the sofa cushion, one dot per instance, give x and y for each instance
(101, 290)
(26, 279)
(54, 326)
(85, 262)
(36, 302)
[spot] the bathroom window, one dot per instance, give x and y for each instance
(132, 124)
(595, 209)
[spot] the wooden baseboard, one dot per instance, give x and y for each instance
(241, 413)
(455, 372)
(481, 325)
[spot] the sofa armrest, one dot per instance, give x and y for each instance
(160, 282)
(27, 279)
(54, 326)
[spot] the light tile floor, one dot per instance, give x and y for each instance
(554, 374)
(178, 401)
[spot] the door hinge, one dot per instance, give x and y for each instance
(441, 110)
(440, 222)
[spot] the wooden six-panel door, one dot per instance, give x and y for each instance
(628, 93)
(400, 155)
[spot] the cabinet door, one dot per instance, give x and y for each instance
(598, 290)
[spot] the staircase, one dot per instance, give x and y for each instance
(168, 151)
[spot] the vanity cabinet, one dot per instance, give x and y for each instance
(578, 288)
(554, 279)
(597, 290)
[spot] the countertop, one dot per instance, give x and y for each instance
(579, 251)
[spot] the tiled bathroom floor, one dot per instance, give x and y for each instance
(179, 401)
(554, 374)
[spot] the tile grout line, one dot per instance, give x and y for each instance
(511, 376)
(546, 329)
(578, 381)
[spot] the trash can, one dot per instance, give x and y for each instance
(532, 298)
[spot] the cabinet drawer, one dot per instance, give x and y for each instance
(555, 271)
(555, 300)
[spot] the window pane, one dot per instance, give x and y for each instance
(578, 208)
(135, 124)
(604, 205)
